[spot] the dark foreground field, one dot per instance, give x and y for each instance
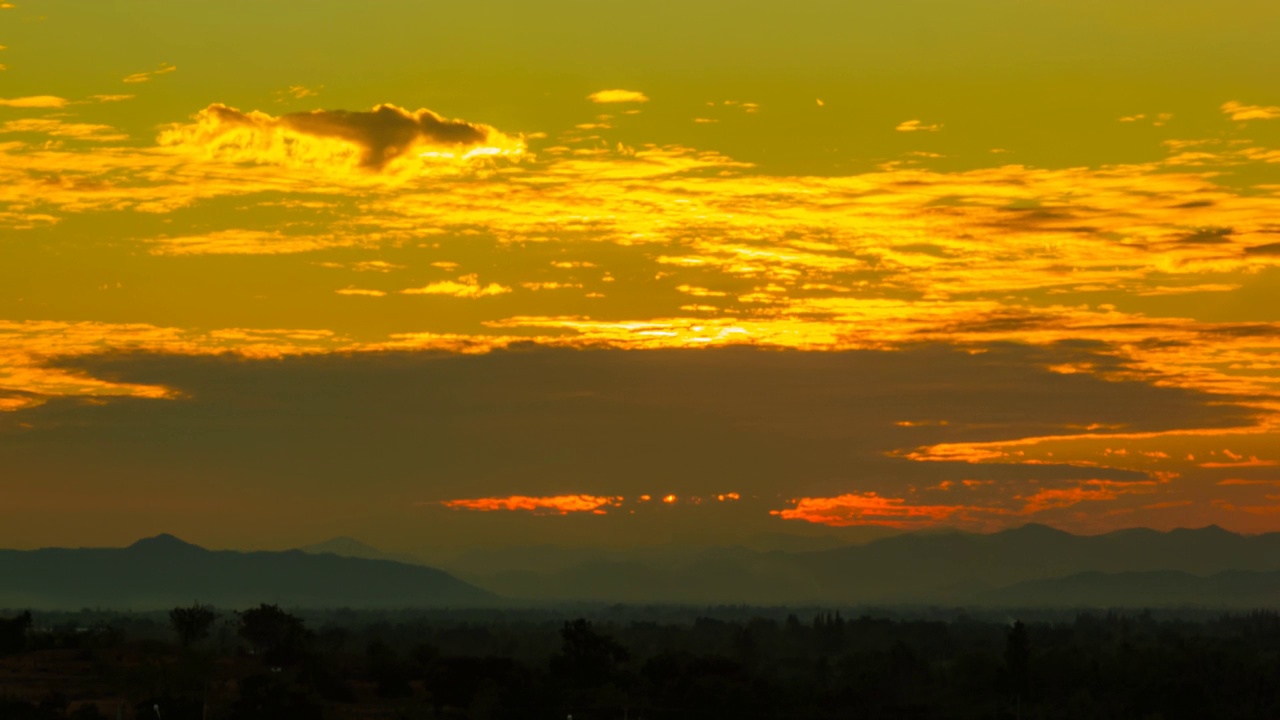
(266, 663)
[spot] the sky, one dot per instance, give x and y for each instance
(615, 274)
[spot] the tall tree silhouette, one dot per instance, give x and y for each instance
(13, 633)
(192, 623)
(1017, 660)
(587, 658)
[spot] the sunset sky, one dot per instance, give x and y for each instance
(446, 275)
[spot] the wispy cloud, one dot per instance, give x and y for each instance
(1088, 491)
(34, 101)
(1157, 120)
(1240, 111)
(299, 92)
(240, 241)
(917, 126)
(466, 286)
(57, 128)
(141, 77)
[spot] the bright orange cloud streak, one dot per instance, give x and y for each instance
(865, 509)
(556, 505)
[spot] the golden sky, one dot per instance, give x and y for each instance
(562, 272)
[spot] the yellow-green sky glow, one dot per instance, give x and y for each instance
(270, 273)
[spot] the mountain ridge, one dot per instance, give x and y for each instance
(163, 571)
(1032, 563)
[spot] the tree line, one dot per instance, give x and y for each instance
(266, 663)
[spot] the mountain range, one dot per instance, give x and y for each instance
(1033, 565)
(953, 568)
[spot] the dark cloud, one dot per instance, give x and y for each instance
(389, 430)
(1207, 236)
(388, 131)
(384, 133)
(1267, 249)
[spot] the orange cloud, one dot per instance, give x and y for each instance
(554, 505)
(1265, 510)
(1169, 504)
(1090, 490)
(865, 509)
(1251, 461)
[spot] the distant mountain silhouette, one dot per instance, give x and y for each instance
(704, 579)
(924, 567)
(350, 547)
(164, 571)
(1028, 565)
(1230, 588)
(953, 567)
(490, 561)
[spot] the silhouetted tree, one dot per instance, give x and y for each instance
(275, 634)
(385, 667)
(1017, 659)
(13, 633)
(587, 658)
(192, 623)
